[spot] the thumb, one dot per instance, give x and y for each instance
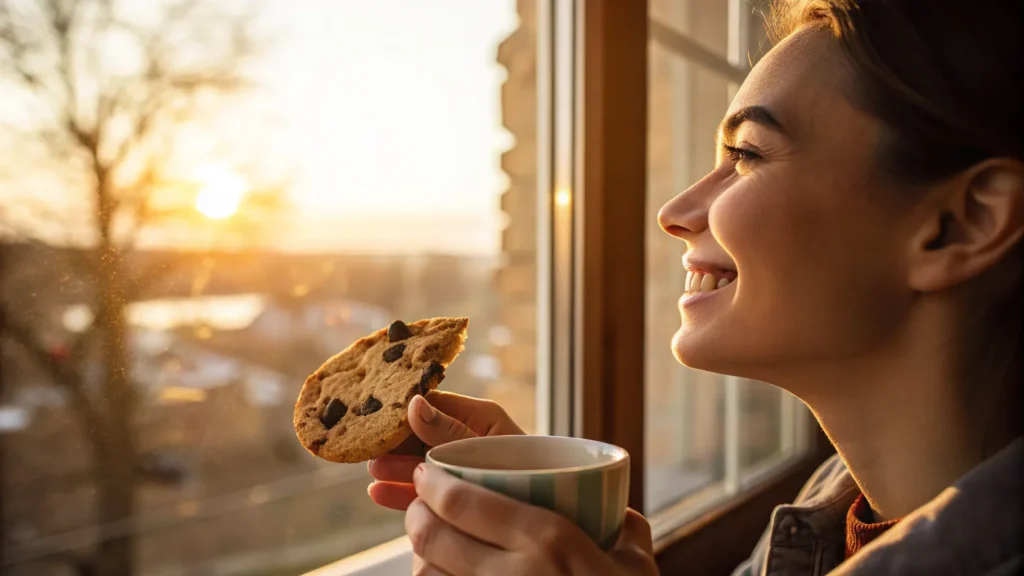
(635, 548)
(434, 427)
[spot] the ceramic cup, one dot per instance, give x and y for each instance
(584, 480)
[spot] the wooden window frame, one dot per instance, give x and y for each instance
(609, 199)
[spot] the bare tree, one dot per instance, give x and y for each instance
(106, 90)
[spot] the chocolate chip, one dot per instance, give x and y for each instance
(315, 445)
(397, 405)
(394, 353)
(333, 413)
(398, 331)
(369, 407)
(432, 369)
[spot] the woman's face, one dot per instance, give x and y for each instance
(802, 242)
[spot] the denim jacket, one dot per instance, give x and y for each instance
(974, 527)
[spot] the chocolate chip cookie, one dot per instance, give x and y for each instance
(354, 407)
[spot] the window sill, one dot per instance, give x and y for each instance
(713, 500)
(388, 559)
(720, 538)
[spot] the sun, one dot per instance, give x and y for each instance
(220, 192)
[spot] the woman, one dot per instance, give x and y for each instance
(868, 205)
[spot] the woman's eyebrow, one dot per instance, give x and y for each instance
(757, 114)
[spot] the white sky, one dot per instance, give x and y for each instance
(393, 115)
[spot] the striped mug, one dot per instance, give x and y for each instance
(584, 480)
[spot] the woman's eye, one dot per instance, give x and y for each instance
(738, 155)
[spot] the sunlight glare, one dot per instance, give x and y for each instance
(220, 193)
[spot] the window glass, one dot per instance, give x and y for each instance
(196, 211)
(704, 431)
(685, 407)
(702, 21)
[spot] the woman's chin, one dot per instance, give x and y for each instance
(706, 351)
(692, 350)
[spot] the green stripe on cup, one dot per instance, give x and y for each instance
(612, 526)
(496, 483)
(455, 473)
(542, 491)
(591, 502)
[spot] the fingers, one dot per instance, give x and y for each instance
(635, 548)
(421, 568)
(390, 468)
(636, 531)
(393, 488)
(394, 495)
(434, 427)
(445, 417)
(483, 417)
(440, 545)
(476, 511)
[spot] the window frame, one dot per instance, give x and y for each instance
(592, 67)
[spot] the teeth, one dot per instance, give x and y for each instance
(707, 284)
(700, 282)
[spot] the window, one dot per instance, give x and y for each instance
(706, 435)
(181, 248)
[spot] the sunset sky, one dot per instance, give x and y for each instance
(393, 113)
(388, 115)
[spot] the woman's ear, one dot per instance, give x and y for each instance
(974, 222)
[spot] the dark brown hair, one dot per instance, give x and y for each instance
(943, 76)
(944, 79)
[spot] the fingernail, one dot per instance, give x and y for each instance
(417, 473)
(425, 411)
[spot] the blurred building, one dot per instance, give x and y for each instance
(515, 339)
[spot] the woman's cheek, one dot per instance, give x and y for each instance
(739, 216)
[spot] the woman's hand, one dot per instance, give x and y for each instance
(440, 418)
(461, 529)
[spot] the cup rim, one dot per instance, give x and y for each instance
(621, 456)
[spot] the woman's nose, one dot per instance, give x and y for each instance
(687, 214)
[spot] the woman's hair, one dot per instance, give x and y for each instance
(944, 79)
(943, 76)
